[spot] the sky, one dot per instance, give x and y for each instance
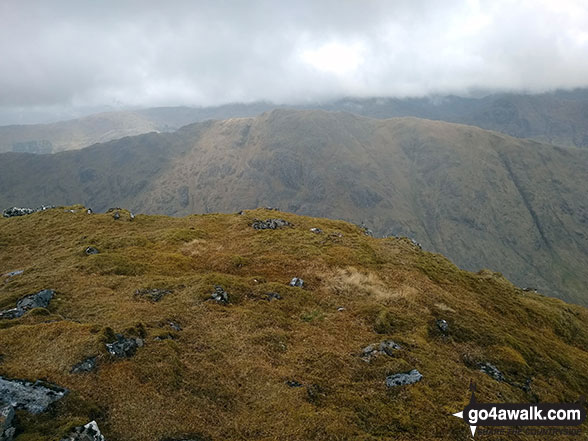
(60, 56)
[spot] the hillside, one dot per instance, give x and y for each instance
(559, 118)
(266, 360)
(483, 199)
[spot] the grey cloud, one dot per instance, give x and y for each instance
(144, 53)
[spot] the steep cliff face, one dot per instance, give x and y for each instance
(483, 199)
(262, 325)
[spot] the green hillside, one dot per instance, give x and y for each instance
(275, 361)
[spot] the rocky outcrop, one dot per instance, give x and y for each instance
(33, 397)
(38, 300)
(270, 224)
(384, 348)
(272, 296)
(87, 365)
(404, 379)
(16, 211)
(493, 371)
(13, 273)
(124, 347)
(89, 432)
(6, 418)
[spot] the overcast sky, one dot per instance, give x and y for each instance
(72, 54)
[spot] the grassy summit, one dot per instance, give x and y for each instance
(290, 368)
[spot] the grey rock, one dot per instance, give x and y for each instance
(220, 295)
(155, 294)
(384, 348)
(89, 432)
(366, 230)
(131, 216)
(13, 273)
(272, 296)
(91, 250)
(124, 347)
(404, 379)
(493, 371)
(16, 211)
(116, 215)
(89, 211)
(6, 418)
(299, 283)
(87, 365)
(175, 326)
(270, 224)
(443, 326)
(293, 383)
(38, 300)
(316, 230)
(416, 244)
(33, 397)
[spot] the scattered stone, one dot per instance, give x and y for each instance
(89, 432)
(89, 211)
(404, 379)
(443, 326)
(175, 326)
(270, 224)
(415, 243)
(293, 383)
(38, 300)
(124, 347)
(70, 211)
(155, 294)
(91, 250)
(272, 296)
(131, 215)
(340, 309)
(298, 283)
(112, 209)
(386, 347)
(33, 397)
(493, 371)
(87, 365)
(241, 213)
(529, 289)
(6, 418)
(272, 208)
(16, 211)
(13, 273)
(116, 215)
(316, 230)
(368, 232)
(220, 295)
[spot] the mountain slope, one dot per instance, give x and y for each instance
(292, 368)
(483, 199)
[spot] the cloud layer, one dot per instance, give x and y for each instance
(146, 53)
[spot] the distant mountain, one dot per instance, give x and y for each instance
(484, 199)
(559, 118)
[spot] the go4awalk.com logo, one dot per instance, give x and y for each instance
(522, 414)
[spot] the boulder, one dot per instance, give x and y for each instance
(220, 295)
(493, 371)
(270, 224)
(33, 397)
(154, 294)
(404, 379)
(6, 428)
(91, 250)
(298, 283)
(124, 347)
(89, 432)
(38, 300)
(443, 326)
(87, 365)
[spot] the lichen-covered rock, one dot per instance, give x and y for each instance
(33, 397)
(89, 432)
(124, 347)
(6, 428)
(38, 300)
(297, 282)
(403, 379)
(87, 365)
(220, 295)
(270, 224)
(154, 294)
(386, 347)
(493, 371)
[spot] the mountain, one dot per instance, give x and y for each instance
(559, 118)
(483, 199)
(215, 344)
